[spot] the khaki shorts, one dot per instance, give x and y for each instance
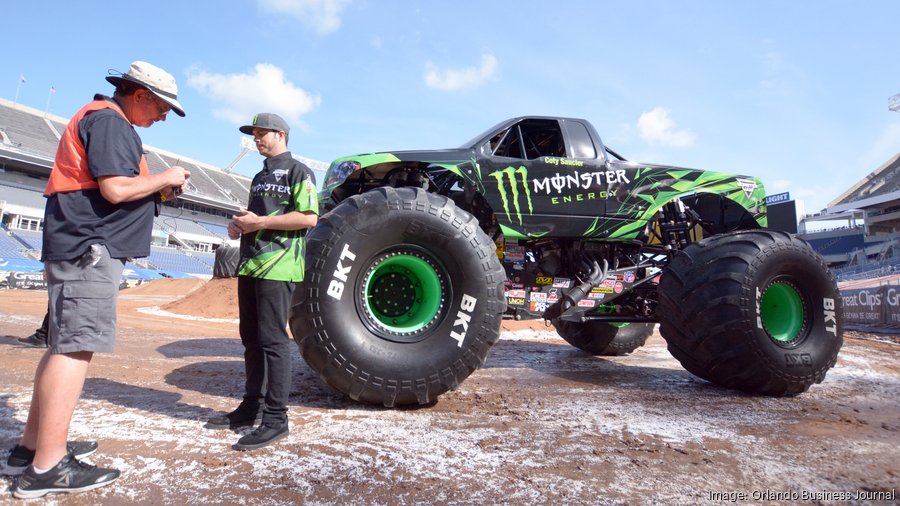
(83, 295)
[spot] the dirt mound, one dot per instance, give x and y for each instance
(165, 286)
(216, 298)
(513, 325)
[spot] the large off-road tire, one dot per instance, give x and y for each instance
(629, 337)
(758, 311)
(602, 338)
(402, 297)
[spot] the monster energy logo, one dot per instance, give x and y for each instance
(511, 174)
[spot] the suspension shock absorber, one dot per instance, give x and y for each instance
(673, 225)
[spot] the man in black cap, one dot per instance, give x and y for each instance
(283, 204)
(101, 200)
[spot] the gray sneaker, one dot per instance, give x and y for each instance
(68, 476)
(35, 340)
(240, 417)
(20, 457)
(264, 435)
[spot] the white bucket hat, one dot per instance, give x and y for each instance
(155, 79)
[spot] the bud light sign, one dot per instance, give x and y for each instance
(777, 198)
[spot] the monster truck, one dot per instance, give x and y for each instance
(418, 255)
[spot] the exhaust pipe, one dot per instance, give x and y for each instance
(572, 296)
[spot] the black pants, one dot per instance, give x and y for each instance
(264, 307)
(42, 332)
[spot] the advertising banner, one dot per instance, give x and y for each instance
(26, 280)
(872, 308)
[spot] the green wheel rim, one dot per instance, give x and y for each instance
(403, 293)
(782, 312)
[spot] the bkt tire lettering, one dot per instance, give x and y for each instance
(336, 286)
(830, 316)
(510, 174)
(759, 324)
(798, 359)
(463, 317)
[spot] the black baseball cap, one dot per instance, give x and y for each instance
(267, 120)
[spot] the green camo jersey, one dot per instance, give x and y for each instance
(282, 186)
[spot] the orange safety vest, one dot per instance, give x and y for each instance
(70, 168)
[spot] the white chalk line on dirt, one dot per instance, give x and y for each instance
(156, 311)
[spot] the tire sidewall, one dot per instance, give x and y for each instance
(328, 311)
(819, 340)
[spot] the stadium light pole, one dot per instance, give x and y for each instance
(18, 87)
(894, 103)
(247, 145)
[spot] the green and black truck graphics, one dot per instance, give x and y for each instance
(559, 227)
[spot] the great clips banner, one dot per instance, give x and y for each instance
(872, 307)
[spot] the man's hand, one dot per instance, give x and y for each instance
(176, 178)
(118, 189)
(234, 232)
(247, 221)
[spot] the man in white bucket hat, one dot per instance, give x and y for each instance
(101, 201)
(154, 79)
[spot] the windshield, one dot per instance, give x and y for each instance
(471, 142)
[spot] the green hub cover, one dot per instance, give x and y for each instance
(403, 293)
(782, 312)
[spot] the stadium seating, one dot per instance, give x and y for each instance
(218, 230)
(33, 238)
(28, 132)
(840, 245)
(174, 263)
(28, 144)
(11, 248)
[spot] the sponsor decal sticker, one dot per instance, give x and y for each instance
(514, 254)
(748, 185)
(538, 307)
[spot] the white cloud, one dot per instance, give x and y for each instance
(323, 16)
(658, 126)
(263, 89)
(461, 79)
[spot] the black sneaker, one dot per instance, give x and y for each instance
(21, 457)
(241, 417)
(69, 475)
(34, 341)
(263, 435)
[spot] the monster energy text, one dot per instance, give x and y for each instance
(579, 181)
(566, 187)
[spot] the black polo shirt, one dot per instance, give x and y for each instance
(282, 186)
(74, 220)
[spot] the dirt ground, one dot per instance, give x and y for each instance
(540, 423)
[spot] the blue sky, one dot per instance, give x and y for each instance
(793, 92)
